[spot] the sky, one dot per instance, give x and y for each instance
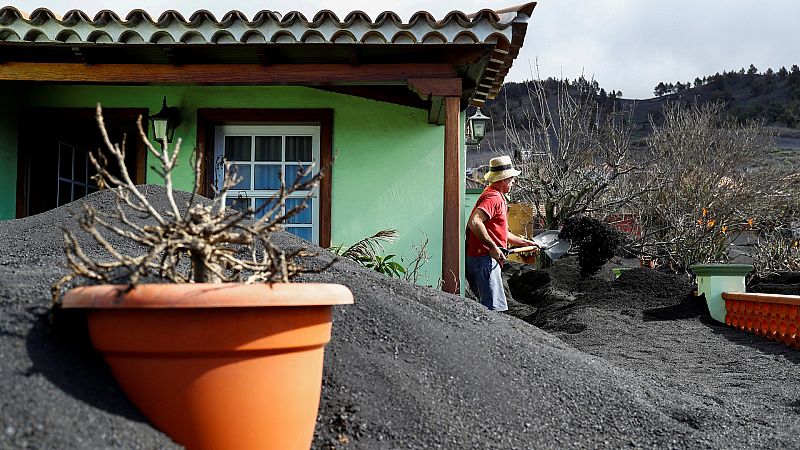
(626, 45)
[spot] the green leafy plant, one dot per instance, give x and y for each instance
(385, 265)
(368, 253)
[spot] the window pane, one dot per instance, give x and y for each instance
(238, 203)
(302, 233)
(79, 191)
(80, 166)
(92, 172)
(64, 192)
(298, 149)
(237, 148)
(268, 176)
(268, 148)
(304, 216)
(261, 202)
(293, 174)
(65, 160)
(243, 171)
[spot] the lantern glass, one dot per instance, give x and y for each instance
(160, 129)
(165, 122)
(477, 126)
(479, 129)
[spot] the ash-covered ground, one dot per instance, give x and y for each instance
(592, 363)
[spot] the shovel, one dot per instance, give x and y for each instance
(548, 242)
(551, 245)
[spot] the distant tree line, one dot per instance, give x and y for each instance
(515, 98)
(771, 96)
(552, 85)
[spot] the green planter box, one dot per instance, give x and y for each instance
(714, 279)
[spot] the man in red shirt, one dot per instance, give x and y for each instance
(487, 233)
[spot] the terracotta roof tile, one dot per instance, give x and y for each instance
(504, 29)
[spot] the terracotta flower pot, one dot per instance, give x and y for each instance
(222, 366)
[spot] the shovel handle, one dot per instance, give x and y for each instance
(529, 248)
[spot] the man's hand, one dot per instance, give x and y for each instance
(520, 241)
(497, 254)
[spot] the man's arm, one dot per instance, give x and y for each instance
(513, 239)
(475, 224)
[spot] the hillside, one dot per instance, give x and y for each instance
(771, 98)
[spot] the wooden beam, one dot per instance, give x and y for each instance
(436, 110)
(451, 226)
(427, 87)
(396, 94)
(434, 89)
(236, 74)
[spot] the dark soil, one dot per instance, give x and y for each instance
(633, 362)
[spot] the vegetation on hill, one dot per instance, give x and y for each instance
(771, 98)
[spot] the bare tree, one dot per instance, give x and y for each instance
(573, 152)
(714, 181)
(198, 243)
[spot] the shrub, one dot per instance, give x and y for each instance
(189, 243)
(595, 242)
(775, 253)
(367, 252)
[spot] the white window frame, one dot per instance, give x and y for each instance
(313, 131)
(87, 183)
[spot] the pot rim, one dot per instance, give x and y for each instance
(207, 295)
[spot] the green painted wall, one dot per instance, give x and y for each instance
(389, 160)
(9, 93)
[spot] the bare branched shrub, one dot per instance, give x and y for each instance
(776, 253)
(421, 257)
(713, 182)
(573, 152)
(201, 243)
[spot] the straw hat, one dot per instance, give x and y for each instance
(500, 168)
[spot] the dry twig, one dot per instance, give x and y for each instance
(220, 245)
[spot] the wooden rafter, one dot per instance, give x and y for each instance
(230, 74)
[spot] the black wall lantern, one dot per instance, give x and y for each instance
(164, 122)
(476, 127)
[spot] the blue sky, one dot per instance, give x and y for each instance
(626, 45)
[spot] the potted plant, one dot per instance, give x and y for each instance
(224, 353)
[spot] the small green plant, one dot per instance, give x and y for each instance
(385, 265)
(369, 253)
(595, 241)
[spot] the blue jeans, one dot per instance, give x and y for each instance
(484, 278)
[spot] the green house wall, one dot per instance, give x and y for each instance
(388, 165)
(9, 93)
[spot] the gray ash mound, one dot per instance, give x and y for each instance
(779, 283)
(559, 293)
(412, 367)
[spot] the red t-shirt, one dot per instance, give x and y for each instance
(493, 203)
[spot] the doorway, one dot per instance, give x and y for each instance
(53, 165)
